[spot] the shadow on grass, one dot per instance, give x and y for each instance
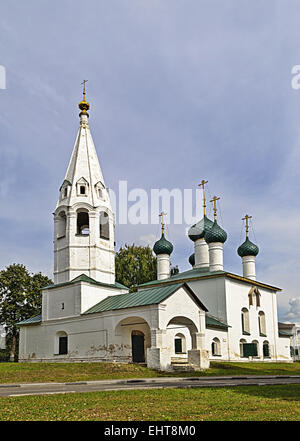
(244, 369)
(280, 392)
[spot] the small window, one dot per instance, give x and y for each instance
(245, 321)
(82, 187)
(266, 349)
(262, 324)
(180, 343)
(242, 342)
(216, 347)
(66, 192)
(178, 346)
(62, 306)
(99, 188)
(63, 345)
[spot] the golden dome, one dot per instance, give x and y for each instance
(84, 105)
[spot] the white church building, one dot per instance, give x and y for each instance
(180, 321)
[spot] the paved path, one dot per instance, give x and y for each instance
(10, 390)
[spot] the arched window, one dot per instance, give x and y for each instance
(266, 349)
(83, 224)
(62, 343)
(61, 224)
(254, 293)
(255, 348)
(180, 344)
(262, 324)
(242, 342)
(216, 347)
(104, 225)
(245, 321)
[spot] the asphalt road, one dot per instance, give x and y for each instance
(11, 390)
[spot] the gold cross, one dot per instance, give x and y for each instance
(214, 200)
(84, 81)
(162, 214)
(247, 224)
(202, 183)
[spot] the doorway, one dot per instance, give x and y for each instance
(138, 346)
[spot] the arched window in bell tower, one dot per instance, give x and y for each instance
(83, 224)
(61, 225)
(104, 225)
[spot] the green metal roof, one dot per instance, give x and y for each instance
(215, 322)
(85, 278)
(190, 274)
(210, 320)
(143, 297)
(31, 320)
(199, 273)
(284, 333)
(138, 298)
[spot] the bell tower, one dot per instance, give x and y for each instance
(83, 218)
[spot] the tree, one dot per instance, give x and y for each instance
(135, 265)
(20, 299)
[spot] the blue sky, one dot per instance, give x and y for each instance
(180, 90)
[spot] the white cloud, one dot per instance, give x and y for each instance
(148, 239)
(293, 314)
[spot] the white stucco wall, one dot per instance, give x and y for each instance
(222, 336)
(76, 299)
(92, 337)
(107, 336)
(236, 299)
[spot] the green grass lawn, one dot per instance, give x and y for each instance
(67, 372)
(242, 403)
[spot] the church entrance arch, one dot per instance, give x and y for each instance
(132, 335)
(185, 322)
(138, 346)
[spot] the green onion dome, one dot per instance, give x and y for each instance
(192, 259)
(215, 234)
(198, 230)
(248, 249)
(163, 246)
